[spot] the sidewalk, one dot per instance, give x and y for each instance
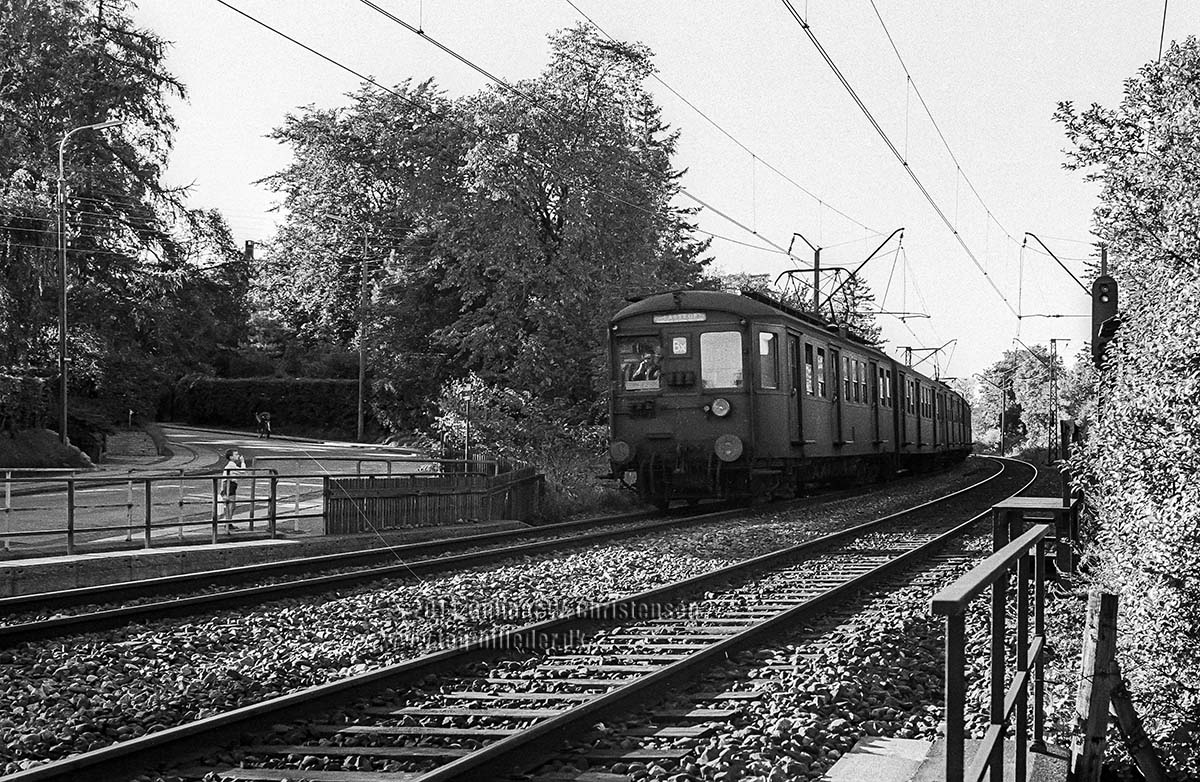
(402, 449)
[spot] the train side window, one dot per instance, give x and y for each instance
(910, 394)
(768, 360)
(860, 372)
(821, 390)
(809, 380)
(888, 384)
(883, 400)
(846, 379)
(721, 359)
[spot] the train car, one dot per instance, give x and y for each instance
(735, 395)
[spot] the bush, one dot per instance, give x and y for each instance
(513, 425)
(24, 401)
(298, 403)
(39, 448)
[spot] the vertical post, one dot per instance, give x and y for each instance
(70, 516)
(7, 508)
(1000, 531)
(62, 298)
(1051, 449)
(1022, 726)
(296, 510)
(817, 279)
(467, 439)
(272, 508)
(362, 340)
(253, 486)
(956, 695)
(1039, 631)
(324, 503)
(216, 518)
(149, 511)
(180, 506)
(129, 510)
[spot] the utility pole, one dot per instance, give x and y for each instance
(362, 340)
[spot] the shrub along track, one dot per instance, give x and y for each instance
(635, 663)
(48, 615)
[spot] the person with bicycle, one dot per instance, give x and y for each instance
(263, 421)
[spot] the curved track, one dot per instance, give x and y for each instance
(500, 704)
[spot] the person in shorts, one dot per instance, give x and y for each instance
(235, 466)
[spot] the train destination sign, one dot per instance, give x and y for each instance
(681, 317)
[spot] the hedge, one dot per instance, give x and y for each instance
(300, 402)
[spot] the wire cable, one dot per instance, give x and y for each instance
(896, 152)
(729, 135)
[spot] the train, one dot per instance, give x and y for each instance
(735, 395)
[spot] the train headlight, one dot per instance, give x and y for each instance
(720, 407)
(728, 447)
(620, 452)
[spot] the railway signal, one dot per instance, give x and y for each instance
(1104, 311)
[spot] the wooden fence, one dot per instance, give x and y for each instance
(371, 503)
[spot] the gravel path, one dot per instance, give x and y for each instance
(88, 691)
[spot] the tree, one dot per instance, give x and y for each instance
(508, 225)
(133, 246)
(1020, 384)
(1139, 465)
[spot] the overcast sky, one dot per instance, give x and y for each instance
(991, 74)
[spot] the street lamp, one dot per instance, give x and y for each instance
(62, 274)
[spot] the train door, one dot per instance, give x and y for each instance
(835, 360)
(796, 408)
(873, 390)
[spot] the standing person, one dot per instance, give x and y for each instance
(263, 420)
(235, 466)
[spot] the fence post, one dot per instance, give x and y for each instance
(215, 517)
(1039, 630)
(7, 508)
(324, 505)
(149, 512)
(296, 508)
(956, 694)
(70, 516)
(253, 485)
(271, 508)
(180, 505)
(129, 510)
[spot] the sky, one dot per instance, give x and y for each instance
(771, 140)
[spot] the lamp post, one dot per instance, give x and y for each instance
(62, 274)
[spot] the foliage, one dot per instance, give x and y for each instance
(23, 402)
(1020, 381)
(852, 303)
(1140, 463)
(39, 448)
(305, 404)
(141, 303)
(502, 229)
(515, 425)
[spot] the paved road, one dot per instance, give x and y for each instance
(111, 507)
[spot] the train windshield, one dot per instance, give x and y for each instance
(721, 359)
(639, 362)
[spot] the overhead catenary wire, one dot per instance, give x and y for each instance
(524, 155)
(800, 20)
(754, 155)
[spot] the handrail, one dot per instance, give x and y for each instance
(1025, 553)
(954, 598)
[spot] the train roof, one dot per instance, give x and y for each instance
(748, 304)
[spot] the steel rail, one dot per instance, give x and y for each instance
(183, 741)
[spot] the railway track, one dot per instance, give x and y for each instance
(98, 608)
(504, 703)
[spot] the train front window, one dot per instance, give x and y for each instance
(768, 363)
(639, 362)
(721, 359)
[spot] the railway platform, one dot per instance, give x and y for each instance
(911, 760)
(51, 573)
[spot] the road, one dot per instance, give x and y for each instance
(112, 508)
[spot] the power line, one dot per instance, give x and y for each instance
(896, 152)
(755, 156)
(540, 105)
(525, 156)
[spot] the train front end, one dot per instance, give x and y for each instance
(680, 411)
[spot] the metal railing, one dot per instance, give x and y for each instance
(73, 513)
(1025, 554)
